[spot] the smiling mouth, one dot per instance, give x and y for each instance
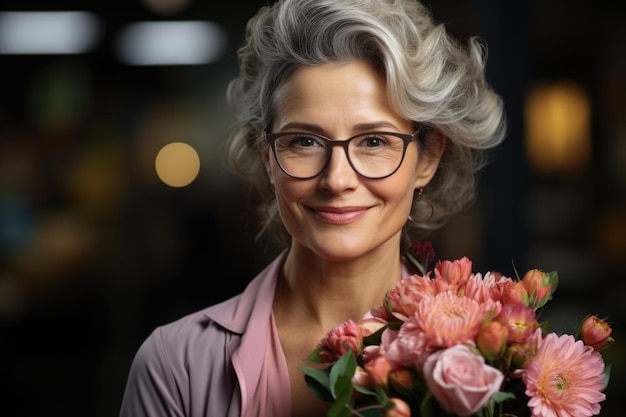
(340, 216)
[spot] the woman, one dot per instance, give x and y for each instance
(348, 114)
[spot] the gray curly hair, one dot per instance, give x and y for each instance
(432, 80)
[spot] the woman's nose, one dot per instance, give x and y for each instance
(339, 174)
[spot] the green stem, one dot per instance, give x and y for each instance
(369, 407)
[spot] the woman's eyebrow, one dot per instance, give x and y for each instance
(360, 127)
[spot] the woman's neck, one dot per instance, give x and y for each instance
(327, 292)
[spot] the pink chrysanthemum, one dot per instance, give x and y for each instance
(407, 295)
(439, 321)
(489, 287)
(564, 379)
(448, 319)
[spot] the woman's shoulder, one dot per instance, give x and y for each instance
(183, 335)
(191, 348)
(219, 323)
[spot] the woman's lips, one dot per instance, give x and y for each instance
(343, 215)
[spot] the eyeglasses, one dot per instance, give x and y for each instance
(373, 155)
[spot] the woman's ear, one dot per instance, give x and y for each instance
(265, 152)
(435, 145)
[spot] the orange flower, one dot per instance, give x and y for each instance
(538, 285)
(515, 293)
(378, 370)
(457, 271)
(491, 339)
(403, 380)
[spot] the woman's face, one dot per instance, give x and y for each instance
(340, 215)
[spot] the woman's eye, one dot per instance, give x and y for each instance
(373, 141)
(304, 141)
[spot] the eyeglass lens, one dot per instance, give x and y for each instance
(372, 155)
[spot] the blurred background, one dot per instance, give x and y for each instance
(118, 214)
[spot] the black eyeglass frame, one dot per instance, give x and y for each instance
(270, 138)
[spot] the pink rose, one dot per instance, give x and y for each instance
(460, 380)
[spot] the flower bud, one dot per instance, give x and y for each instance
(515, 293)
(491, 339)
(378, 370)
(423, 251)
(538, 286)
(361, 378)
(400, 408)
(403, 380)
(520, 354)
(596, 333)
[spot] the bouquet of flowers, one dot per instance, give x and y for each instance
(452, 342)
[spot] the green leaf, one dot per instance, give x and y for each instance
(363, 390)
(340, 385)
(314, 357)
(341, 374)
(416, 263)
(372, 412)
(607, 376)
(318, 381)
(374, 338)
(517, 277)
(501, 396)
(339, 410)
(428, 407)
(319, 375)
(342, 389)
(487, 410)
(553, 278)
(545, 326)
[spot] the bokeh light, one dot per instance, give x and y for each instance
(48, 32)
(170, 43)
(177, 164)
(558, 126)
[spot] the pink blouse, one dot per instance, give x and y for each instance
(274, 380)
(223, 361)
